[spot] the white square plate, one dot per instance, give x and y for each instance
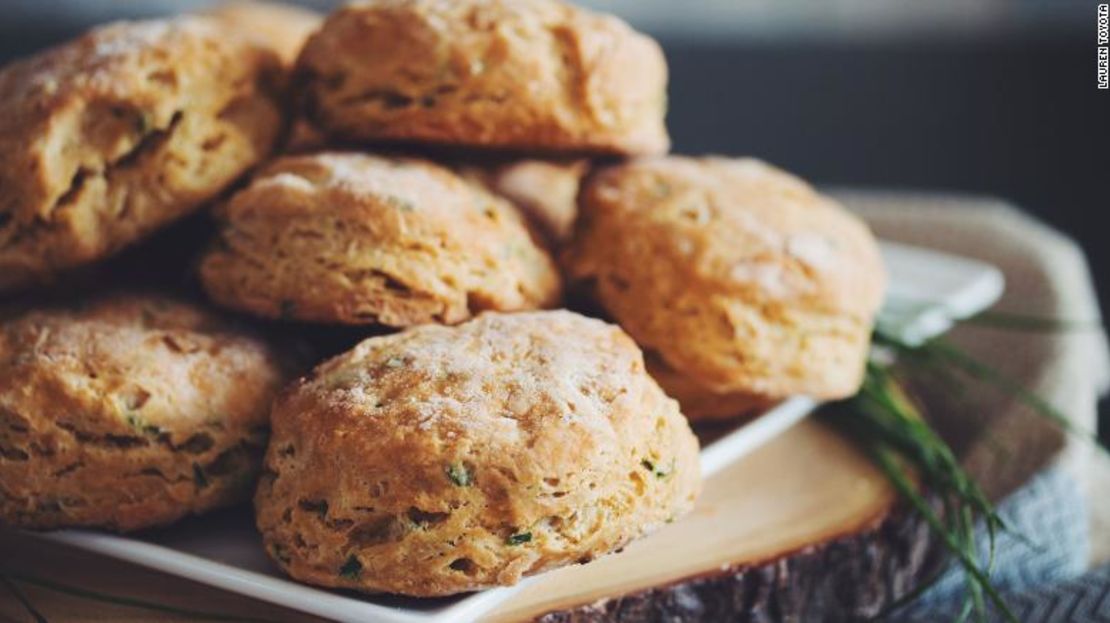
(928, 292)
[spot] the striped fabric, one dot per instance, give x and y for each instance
(1039, 567)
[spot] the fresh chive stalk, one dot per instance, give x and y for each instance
(885, 422)
(1034, 324)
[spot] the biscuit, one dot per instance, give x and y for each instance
(282, 27)
(546, 191)
(517, 74)
(132, 411)
(733, 273)
(447, 459)
(700, 403)
(123, 130)
(359, 239)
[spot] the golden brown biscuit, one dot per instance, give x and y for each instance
(282, 27)
(131, 412)
(446, 459)
(519, 74)
(735, 274)
(355, 239)
(545, 190)
(113, 135)
(700, 403)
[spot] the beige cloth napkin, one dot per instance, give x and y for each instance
(1002, 443)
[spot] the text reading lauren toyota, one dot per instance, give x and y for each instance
(1103, 62)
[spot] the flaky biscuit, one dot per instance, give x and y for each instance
(357, 239)
(446, 459)
(545, 190)
(111, 136)
(700, 403)
(519, 74)
(129, 412)
(735, 274)
(283, 28)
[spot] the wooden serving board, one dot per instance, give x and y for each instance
(804, 528)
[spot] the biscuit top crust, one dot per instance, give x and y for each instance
(91, 107)
(137, 72)
(519, 74)
(446, 459)
(735, 226)
(733, 272)
(358, 184)
(283, 27)
(169, 363)
(502, 377)
(446, 248)
(128, 411)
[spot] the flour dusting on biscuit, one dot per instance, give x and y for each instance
(358, 239)
(116, 134)
(745, 285)
(517, 74)
(128, 412)
(447, 459)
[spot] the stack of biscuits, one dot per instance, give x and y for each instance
(439, 177)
